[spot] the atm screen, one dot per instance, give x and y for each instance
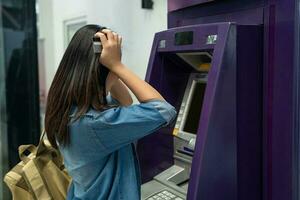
(194, 112)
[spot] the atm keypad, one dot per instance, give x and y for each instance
(164, 195)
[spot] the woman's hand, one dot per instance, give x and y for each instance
(111, 48)
(111, 58)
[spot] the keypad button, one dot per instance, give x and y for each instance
(164, 195)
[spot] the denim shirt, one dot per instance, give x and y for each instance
(101, 157)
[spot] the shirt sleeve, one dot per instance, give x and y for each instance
(120, 126)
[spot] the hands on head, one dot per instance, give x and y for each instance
(111, 58)
(111, 48)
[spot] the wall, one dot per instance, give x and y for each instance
(136, 25)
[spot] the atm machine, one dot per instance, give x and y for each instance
(212, 74)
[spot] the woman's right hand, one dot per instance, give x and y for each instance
(111, 48)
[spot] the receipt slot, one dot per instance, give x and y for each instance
(212, 74)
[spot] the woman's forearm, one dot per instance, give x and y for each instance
(141, 89)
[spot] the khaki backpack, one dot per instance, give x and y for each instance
(40, 175)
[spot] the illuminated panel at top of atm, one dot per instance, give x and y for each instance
(184, 38)
(187, 38)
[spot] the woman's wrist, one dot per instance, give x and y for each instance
(116, 67)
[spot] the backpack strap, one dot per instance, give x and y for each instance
(23, 148)
(31, 148)
(41, 146)
(43, 134)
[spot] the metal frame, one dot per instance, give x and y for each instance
(4, 193)
(296, 139)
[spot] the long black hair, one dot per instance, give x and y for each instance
(79, 80)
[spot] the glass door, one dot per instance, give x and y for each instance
(19, 91)
(3, 126)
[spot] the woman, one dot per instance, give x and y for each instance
(89, 117)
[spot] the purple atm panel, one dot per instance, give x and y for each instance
(241, 12)
(179, 4)
(222, 159)
(227, 159)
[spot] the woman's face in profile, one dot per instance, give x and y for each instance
(111, 80)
